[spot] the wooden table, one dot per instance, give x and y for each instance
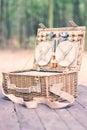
(17, 117)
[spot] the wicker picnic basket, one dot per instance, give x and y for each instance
(42, 83)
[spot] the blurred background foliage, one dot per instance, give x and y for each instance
(19, 19)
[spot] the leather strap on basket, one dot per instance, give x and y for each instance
(36, 101)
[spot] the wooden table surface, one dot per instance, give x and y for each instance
(17, 117)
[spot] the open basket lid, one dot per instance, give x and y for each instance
(68, 51)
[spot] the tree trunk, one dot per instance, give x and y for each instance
(63, 14)
(20, 27)
(76, 12)
(50, 13)
(29, 21)
(27, 27)
(56, 14)
(1, 20)
(8, 23)
(85, 14)
(85, 20)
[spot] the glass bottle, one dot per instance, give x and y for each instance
(53, 61)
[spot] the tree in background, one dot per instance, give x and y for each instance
(51, 7)
(85, 14)
(85, 18)
(1, 21)
(7, 21)
(27, 16)
(20, 27)
(56, 13)
(20, 18)
(76, 12)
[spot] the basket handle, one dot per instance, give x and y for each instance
(36, 101)
(56, 90)
(72, 23)
(42, 25)
(52, 104)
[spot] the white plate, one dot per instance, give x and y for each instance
(43, 53)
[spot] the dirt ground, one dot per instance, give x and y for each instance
(11, 60)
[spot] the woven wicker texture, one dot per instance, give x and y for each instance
(29, 84)
(75, 31)
(69, 81)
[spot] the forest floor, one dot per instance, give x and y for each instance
(11, 60)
